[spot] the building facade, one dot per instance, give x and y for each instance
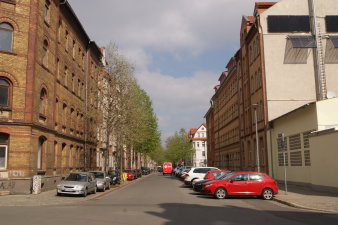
(287, 58)
(49, 70)
(198, 138)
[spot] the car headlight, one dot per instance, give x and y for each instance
(208, 185)
(79, 187)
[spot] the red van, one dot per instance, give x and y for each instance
(167, 168)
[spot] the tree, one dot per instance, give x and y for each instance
(179, 147)
(128, 117)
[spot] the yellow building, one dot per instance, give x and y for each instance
(310, 140)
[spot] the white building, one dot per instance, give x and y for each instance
(198, 137)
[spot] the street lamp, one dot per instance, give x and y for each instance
(255, 106)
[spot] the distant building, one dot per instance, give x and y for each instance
(198, 138)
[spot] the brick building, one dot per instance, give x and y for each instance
(49, 70)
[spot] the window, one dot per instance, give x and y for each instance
(255, 176)
(241, 177)
(45, 53)
(65, 75)
(43, 102)
(67, 40)
(331, 23)
(3, 150)
(286, 24)
(203, 153)
(5, 90)
(42, 142)
(6, 36)
(46, 12)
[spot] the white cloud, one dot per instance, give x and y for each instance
(181, 28)
(182, 102)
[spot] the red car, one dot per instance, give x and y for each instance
(214, 174)
(130, 174)
(243, 184)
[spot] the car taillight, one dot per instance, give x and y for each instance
(187, 175)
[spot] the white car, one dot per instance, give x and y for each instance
(197, 173)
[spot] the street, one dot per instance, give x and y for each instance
(163, 200)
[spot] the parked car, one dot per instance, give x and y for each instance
(115, 177)
(130, 174)
(242, 183)
(145, 170)
(181, 169)
(159, 169)
(214, 174)
(102, 180)
(138, 173)
(184, 173)
(199, 184)
(77, 184)
(197, 173)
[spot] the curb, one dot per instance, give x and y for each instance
(303, 207)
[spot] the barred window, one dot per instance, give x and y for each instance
(280, 144)
(307, 158)
(294, 142)
(306, 139)
(281, 159)
(296, 158)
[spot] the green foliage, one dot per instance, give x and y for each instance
(179, 147)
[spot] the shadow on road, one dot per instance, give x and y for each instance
(185, 214)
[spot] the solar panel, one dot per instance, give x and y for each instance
(286, 24)
(302, 41)
(334, 40)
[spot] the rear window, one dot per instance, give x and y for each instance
(201, 170)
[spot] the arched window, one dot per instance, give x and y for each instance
(45, 53)
(3, 150)
(43, 102)
(5, 91)
(6, 36)
(41, 146)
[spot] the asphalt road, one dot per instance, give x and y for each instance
(163, 200)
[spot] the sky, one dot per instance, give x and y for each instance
(179, 48)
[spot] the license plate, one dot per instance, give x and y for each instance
(68, 189)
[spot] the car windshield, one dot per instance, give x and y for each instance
(98, 174)
(76, 177)
(128, 171)
(112, 173)
(225, 176)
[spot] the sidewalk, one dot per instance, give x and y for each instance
(50, 198)
(307, 198)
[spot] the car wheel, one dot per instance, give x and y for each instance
(104, 188)
(267, 194)
(85, 192)
(220, 193)
(58, 194)
(95, 190)
(108, 186)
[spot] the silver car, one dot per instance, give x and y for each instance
(77, 184)
(102, 179)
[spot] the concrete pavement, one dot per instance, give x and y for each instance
(307, 198)
(50, 198)
(297, 196)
